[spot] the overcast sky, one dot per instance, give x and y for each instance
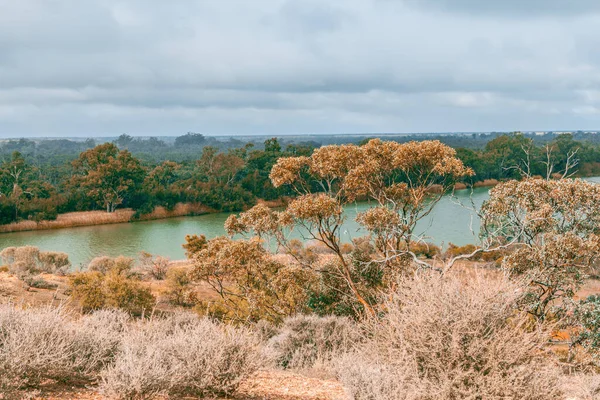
(157, 67)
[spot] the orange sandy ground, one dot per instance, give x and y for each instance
(264, 385)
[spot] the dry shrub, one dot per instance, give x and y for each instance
(311, 343)
(443, 338)
(581, 387)
(427, 250)
(54, 261)
(485, 256)
(306, 255)
(38, 282)
(180, 290)
(454, 250)
(116, 289)
(27, 260)
(180, 356)
(47, 343)
(100, 335)
(133, 359)
(104, 264)
(154, 267)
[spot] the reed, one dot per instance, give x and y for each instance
(69, 220)
(487, 183)
(100, 217)
(180, 210)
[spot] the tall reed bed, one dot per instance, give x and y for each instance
(100, 217)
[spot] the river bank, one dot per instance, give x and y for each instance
(101, 217)
(120, 216)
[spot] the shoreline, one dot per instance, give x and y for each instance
(120, 216)
(101, 217)
(126, 215)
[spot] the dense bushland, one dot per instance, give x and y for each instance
(312, 344)
(40, 180)
(132, 359)
(446, 338)
(180, 355)
(49, 343)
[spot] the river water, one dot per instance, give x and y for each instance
(449, 222)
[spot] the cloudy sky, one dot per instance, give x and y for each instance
(156, 67)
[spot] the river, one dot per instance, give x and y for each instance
(449, 222)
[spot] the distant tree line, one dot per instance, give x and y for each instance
(43, 178)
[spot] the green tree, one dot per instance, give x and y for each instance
(107, 175)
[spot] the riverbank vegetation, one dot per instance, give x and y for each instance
(388, 315)
(40, 181)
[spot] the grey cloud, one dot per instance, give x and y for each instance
(292, 66)
(512, 8)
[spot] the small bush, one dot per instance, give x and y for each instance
(38, 282)
(306, 255)
(105, 264)
(113, 290)
(454, 250)
(443, 338)
(54, 262)
(582, 387)
(587, 317)
(180, 291)
(88, 289)
(308, 342)
(265, 330)
(154, 267)
(29, 260)
(47, 343)
(427, 250)
(180, 357)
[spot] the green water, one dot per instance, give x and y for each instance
(448, 222)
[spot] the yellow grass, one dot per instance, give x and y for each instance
(68, 220)
(487, 183)
(281, 202)
(180, 210)
(88, 218)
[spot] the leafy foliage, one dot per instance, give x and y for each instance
(113, 288)
(587, 317)
(251, 284)
(554, 224)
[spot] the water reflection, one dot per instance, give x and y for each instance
(448, 222)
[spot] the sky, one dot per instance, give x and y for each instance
(227, 67)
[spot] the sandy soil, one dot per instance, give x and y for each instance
(264, 385)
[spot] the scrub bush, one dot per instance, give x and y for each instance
(443, 338)
(178, 357)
